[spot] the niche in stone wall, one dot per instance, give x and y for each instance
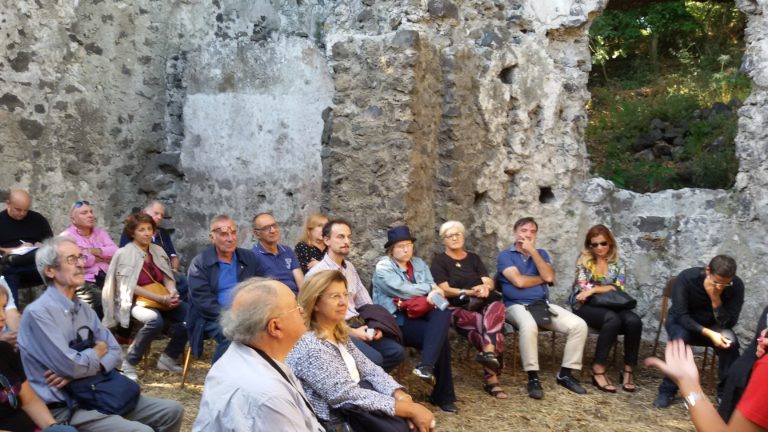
(666, 86)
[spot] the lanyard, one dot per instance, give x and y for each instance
(279, 370)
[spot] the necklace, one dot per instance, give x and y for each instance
(458, 264)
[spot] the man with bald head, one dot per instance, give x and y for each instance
(250, 387)
(20, 226)
(211, 278)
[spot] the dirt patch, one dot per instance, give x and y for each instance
(560, 410)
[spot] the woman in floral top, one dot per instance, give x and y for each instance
(599, 270)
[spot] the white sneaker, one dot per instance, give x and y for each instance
(168, 364)
(129, 371)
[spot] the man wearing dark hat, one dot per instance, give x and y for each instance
(380, 348)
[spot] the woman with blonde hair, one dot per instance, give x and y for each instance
(342, 385)
(311, 248)
(599, 270)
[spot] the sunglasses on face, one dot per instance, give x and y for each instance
(594, 245)
(81, 203)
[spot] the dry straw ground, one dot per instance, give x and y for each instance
(560, 410)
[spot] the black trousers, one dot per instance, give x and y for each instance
(611, 323)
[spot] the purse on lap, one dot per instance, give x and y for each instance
(414, 307)
(614, 299)
(156, 288)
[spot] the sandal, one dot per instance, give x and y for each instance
(608, 387)
(495, 390)
(629, 386)
(488, 359)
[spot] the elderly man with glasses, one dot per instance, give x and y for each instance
(212, 276)
(706, 303)
(278, 260)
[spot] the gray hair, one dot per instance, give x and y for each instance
(249, 319)
(451, 224)
(48, 255)
(153, 203)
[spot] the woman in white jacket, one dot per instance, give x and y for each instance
(134, 270)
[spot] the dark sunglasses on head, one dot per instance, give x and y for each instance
(8, 392)
(81, 203)
(594, 245)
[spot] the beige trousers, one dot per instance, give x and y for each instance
(566, 322)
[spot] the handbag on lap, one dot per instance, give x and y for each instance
(156, 288)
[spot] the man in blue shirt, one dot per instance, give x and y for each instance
(278, 260)
(51, 322)
(212, 276)
(525, 274)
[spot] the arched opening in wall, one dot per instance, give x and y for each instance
(666, 86)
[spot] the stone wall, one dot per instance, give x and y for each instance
(383, 112)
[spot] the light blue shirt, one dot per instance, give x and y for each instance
(48, 325)
(390, 281)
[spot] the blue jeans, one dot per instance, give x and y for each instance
(154, 322)
(725, 357)
(212, 329)
(385, 352)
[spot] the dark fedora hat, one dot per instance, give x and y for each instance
(398, 233)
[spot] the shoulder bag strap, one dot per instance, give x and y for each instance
(279, 370)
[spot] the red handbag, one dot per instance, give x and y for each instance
(414, 307)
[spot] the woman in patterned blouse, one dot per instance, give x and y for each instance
(340, 382)
(599, 270)
(311, 248)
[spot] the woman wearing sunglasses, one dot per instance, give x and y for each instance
(599, 270)
(20, 407)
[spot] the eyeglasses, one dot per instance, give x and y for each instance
(81, 203)
(281, 314)
(453, 236)
(719, 285)
(594, 245)
(9, 393)
(404, 246)
(337, 297)
(224, 230)
(275, 226)
(73, 259)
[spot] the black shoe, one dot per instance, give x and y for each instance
(663, 400)
(534, 389)
(448, 407)
(571, 384)
(426, 373)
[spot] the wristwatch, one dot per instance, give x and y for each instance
(691, 399)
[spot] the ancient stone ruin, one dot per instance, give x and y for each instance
(383, 112)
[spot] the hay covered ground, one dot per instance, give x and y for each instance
(560, 410)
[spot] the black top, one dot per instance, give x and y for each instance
(32, 229)
(461, 274)
(306, 253)
(12, 419)
(692, 307)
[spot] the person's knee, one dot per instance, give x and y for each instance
(611, 321)
(633, 323)
(578, 327)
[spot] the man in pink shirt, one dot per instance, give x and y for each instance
(97, 248)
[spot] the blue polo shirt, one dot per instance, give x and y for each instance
(280, 266)
(227, 280)
(525, 265)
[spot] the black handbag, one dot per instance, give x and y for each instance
(541, 312)
(477, 304)
(614, 299)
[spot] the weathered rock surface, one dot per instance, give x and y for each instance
(383, 112)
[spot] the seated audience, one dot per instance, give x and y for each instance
(23, 228)
(383, 345)
(50, 364)
(599, 270)
(278, 261)
(134, 269)
(250, 388)
(706, 303)
(400, 275)
(21, 410)
(162, 238)
(10, 327)
(98, 248)
(478, 312)
(750, 416)
(311, 247)
(212, 276)
(525, 274)
(342, 384)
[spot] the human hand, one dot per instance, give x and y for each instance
(720, 341)
(678, 364)
(584, 295)
(101, 348)
(378, 335)
(9, 337)
(762, 343)
(527, 245)
(438, 290)
(53, 380)
(95, 252)
(312, 263)
(423, 420)
(360, 333)
(480, 291)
